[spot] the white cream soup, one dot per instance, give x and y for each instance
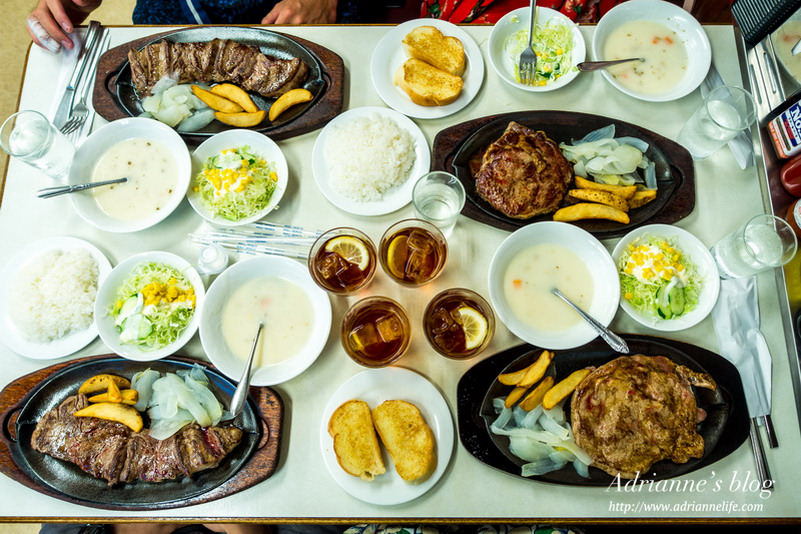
(663, 50)
(152, 176)
(287, 314)
(531, 275)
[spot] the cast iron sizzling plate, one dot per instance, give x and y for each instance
(252, 461)
(454, 147)
(115, 96)
(724, 429)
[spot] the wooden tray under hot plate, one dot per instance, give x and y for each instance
(328, 89)
(252, 462)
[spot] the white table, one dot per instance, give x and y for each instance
(301, 488)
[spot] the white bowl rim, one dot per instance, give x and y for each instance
(702, 55)
(238, 137)
(99, 138)
(700, 256)
(601, 267)
(110, 335)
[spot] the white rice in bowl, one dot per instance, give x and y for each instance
(53, 295)
(368, 156)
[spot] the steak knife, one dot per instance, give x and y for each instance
(65, 106)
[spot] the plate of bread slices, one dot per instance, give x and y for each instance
(427, 68)
(387, 435)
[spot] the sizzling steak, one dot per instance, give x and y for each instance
(637, 410)
(523, 173)
(216, 61)
(111, 451)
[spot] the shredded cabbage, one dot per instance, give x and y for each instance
(553, 44)
(236, 183)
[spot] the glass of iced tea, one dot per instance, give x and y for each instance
(376, 331)
(342, 260)
(459, 323)
(413, 252)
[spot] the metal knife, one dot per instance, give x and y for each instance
(79, 136)
(65, 106)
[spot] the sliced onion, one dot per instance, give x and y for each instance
(164, 428)
(607, 132)
(528, 449)
(540, 467)
(142, 382)
(581, 468)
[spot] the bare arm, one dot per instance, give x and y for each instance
(58, 18)
(302, 12)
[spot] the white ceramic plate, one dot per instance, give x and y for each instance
(259, 144)
(107, 293)
(9, 333)
(606, 284)
(374, 386)
(692, 35)
(698, 254)
(109, 135)
(389, 55)
(395, 198)
(517, 20)
(222, 288)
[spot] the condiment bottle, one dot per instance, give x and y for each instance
(212, 259)
(785, 131)
(791, 176)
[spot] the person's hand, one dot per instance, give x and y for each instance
(58, 18)
(302, 12)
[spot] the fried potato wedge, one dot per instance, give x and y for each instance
(536, 370)
(113, 392)
(112, 411)
(127, 396)
(601, 197)
(236, 94)
(625, 191)
(641, 198)
(534, 398)
(242, 119)
(514, 396)
(99, 383)
(291, 98)
(516, 378)
(586, 210)
(216, 102)
(563, 388)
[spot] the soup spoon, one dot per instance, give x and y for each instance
(595, 65)
(48, 192)
(614, 340)
(241, 393)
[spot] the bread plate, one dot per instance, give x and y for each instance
(725, 428)
(374, 386)
(389, 55)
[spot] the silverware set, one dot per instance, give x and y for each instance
(528, 59)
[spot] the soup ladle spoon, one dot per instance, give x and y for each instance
(595, 65)
(241, 392)
(614, 340)
(49, 192)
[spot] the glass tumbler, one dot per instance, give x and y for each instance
(30, 137)
(764, 242)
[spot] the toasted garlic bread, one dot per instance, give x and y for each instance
(355, 443)
(407, 438)
(428, 44)
(427, 85)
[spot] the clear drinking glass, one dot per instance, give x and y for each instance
(459, 323)
(762, 243)
(438, 198)
(342, 260)
(413, 252)
(29, 137)
(725, 112)
(375, 331)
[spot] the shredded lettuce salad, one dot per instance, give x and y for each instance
(658, 279)
(153, 306)
(553, 44)
(236, 183)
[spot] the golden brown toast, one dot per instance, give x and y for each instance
(407, 438)
(355, 443)
(428, 44)
(427, 85)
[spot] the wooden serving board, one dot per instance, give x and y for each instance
(259, 466)
(322, 110)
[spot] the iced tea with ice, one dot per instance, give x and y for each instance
(413, 252)
(375, 331)
(459, 323)
(342, 260)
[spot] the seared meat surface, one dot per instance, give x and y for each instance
(219, 60)
(637, 410)
(523, 173)
(111, 451)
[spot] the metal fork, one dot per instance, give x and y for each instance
(527, 65)
(81, 111)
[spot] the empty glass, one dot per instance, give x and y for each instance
(29, 137)
(762, 243)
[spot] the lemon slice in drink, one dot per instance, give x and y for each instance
(351, 249)
(474, 325)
